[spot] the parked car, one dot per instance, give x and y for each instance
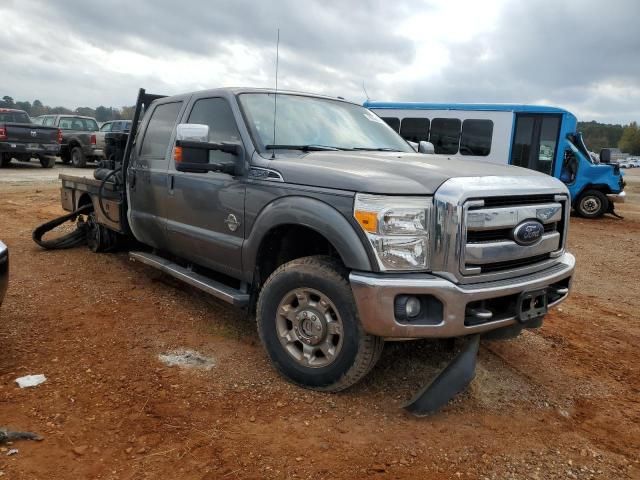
(78, 138)
(4, 270)
(333, 229)
(23, 140)
(113, 126)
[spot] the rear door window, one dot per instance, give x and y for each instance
(476, 137)
(415, 129)
(445, 135)
(48, 121)
(158, 133)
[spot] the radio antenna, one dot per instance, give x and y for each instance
(275, 97)
(365, 91)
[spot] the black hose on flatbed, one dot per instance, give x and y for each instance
(74, 239)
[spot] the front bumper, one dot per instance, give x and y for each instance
(4, 270)
(617, 197)
(375, 296)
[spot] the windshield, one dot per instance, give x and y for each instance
(310, 123)
(78, 123)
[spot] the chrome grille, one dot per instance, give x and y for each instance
(487, 227)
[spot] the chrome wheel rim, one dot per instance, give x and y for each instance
(591, 204)
(309, 327)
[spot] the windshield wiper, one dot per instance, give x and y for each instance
(376, 149)
(304, 148)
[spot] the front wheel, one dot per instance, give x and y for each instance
(592, 204)
(309, 325)
(47, 161)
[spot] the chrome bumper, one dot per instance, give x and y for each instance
(617, 197)
(375, 297)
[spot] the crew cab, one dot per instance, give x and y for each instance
(23, 140)
(328, 225)
(78, 143)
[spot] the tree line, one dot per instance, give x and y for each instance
(101, 113)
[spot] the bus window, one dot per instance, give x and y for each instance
(415, 129)
(548, 141)
(476, 137)
(445, 135)
(522, 142)
(392, 122)
(535, 142)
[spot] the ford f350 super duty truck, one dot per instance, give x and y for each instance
(328, 224)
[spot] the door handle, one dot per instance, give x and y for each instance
(171, 181)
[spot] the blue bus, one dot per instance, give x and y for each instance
(531, 136)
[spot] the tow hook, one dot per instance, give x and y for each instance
(452, 380)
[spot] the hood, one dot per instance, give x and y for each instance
(385, 172)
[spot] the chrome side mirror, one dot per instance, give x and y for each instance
(192, 132)
(426, 147)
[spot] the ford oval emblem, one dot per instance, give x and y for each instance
(528, 232)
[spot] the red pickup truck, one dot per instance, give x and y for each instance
(23, 140)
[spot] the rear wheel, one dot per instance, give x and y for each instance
(309, 325)
(77, 157)
(99, 238)
(48, 162)
(592, 204)
(5, 160)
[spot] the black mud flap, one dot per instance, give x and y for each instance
(454, 379)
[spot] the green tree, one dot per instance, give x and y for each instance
(126, 113)
(7, 102)
(26, 106)
(630, 140)
(37, 108)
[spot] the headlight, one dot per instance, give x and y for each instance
(398, 229)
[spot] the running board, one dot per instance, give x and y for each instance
(206, 284)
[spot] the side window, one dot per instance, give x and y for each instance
(48, 121)
(106, 127)
(392, 122)
(115, 127)
(216, 112)
(158, 134)
(415, 129)
(445, 135)
(476, 137)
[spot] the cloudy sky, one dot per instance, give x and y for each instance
(583, 55)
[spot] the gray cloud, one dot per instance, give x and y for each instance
(578, 54)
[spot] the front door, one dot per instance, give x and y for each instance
(147, 182)
(205, 218)
(535, 141)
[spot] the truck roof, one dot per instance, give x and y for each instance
(239, 90)
(492, 107)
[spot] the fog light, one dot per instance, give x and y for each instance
(413, 307)
(407, 307)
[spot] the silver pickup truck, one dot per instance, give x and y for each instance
(332, 228)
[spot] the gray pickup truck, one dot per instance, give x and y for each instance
(334, 229)
(23, 140)
(78, 142)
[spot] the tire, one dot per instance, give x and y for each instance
(77, 157)
(330, 312)
(592, 204)
(99, 238)
(48, 162)
(5, 160)
(65, 157)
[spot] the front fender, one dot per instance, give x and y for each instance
(313, 214)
